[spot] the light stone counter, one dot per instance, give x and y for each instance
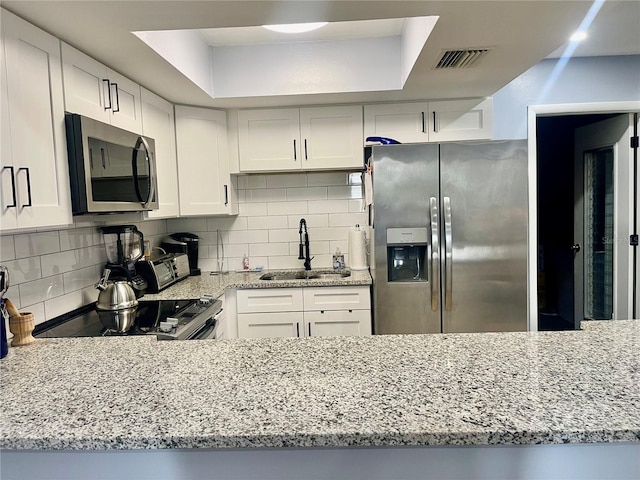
(452, 389)
(194, 287)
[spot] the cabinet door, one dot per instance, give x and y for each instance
(8, 200)
(35, 108)
(264, 325)
(86, 85)
(337, 322)
(158, 123)
(270, 300)
(404, 122)
(125, 97)
(461, 120)
(337, 298)
(331, 137)
(269, 140)
(203, 169)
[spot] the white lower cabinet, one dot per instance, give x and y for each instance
(304, 312)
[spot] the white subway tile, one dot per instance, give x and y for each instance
(331, 233)
(348, 192)
(38, 313)
(287, 208)
(7, 249)
(203, 251)
(14, 295)
(62, 262)
(81, 278)
(242, 182)
(24, 270)
(63, 304)
(265, 223)
(279, 263)
(153, 227)
(242, 196)
(34, 244)
(230, 223)
(266, 195)
(268, 249)
(249, 236)
(347, 219)
(307, 193)
(283, 235)
(316, 248)
(208, 265)
(41, 290)
(192, 225)
(356, 206)
(327, 178)
(313, 221)
(258, 262)
(279, 180)
(233, 250)
(343, 245)
(252, 209)
(328, 206)
(322, 261)
(79, 238)
(256, 182)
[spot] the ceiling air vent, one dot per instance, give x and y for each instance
(468, 57)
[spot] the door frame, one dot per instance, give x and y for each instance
(533, 112)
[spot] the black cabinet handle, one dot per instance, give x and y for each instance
(28, 186)
(295, 157)
(104, 165)
(434, 122)
(108, 93)
(305, 150)
(226, 195)
(117, 109)
(309, 328)
(297, 329)
(13, 188)
(424, 128)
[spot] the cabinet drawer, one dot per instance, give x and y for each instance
(338, 322)
(267, 325)
(270, 300)
(337, 298)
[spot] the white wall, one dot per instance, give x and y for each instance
(580, 80)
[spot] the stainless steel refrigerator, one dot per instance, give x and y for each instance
(450, 237)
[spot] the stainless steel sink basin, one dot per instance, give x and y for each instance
(303, 275)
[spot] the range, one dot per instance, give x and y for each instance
(166, 319)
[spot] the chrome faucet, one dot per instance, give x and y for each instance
(304, 246)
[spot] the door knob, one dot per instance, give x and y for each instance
(575, 248)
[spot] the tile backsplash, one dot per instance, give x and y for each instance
(54, 271)
(270, 208)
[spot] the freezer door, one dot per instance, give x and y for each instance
(484, 241)
(406, 294)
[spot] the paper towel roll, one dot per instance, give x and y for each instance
(357, 250)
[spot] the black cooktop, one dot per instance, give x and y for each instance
(85, 322)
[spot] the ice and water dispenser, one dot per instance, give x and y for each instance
(407, 254)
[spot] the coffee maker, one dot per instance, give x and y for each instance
(124, 245)
(184, 242)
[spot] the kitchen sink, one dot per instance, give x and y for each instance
(303, 275)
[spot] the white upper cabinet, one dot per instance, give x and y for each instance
(314, 138)
(158, 122)
(420, 122)
(461, 120)
(404, 122)
(204, 182)
(34, 176)
(93, 90)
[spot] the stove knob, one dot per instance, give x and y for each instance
(165, 327)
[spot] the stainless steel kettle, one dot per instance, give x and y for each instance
(115, 295)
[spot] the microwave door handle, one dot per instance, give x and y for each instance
(143, 142)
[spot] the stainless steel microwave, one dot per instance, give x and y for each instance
(111, 170)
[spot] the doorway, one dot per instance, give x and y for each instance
(575, 272)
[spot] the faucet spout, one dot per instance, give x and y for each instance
(304, 253)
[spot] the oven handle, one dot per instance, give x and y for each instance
(208, 331)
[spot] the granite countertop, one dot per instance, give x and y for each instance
(207, 283)
(387, 390)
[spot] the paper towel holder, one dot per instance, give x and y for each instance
(358, 249)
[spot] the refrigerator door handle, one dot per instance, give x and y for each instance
(448, 255)
(435, 255)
